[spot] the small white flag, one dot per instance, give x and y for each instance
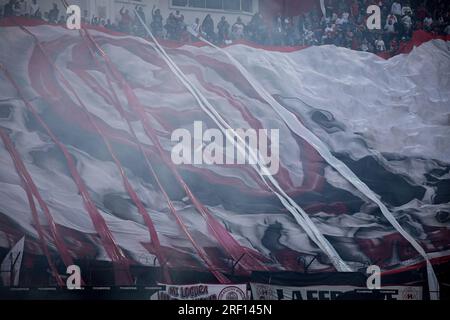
(10, 267)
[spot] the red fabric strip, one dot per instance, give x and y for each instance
(31, 189)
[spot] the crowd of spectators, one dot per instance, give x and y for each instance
(345, 24)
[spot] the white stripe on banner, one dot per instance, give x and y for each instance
(322, 7)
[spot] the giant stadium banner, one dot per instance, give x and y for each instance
(262, 291)
(97, 128)
(202, 291)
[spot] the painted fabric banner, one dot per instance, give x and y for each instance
(202, 292)
(270, 292)
(86, 154)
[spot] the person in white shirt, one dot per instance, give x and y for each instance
(392, 17)
(396, 8)
(407, 22)
(329, 29)
(178, 17)
(339, 21)
(196, 26)
(334, 17)
(195, 29)
(328, 32)
(379, 44)
(427, 22)
(389, 27)
(237, 30)
(309, 35)
(364, 45)
(345, 16)
(34, 8)
(279, 23)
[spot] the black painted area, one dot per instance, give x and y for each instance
(5, 111)
(394, 189)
